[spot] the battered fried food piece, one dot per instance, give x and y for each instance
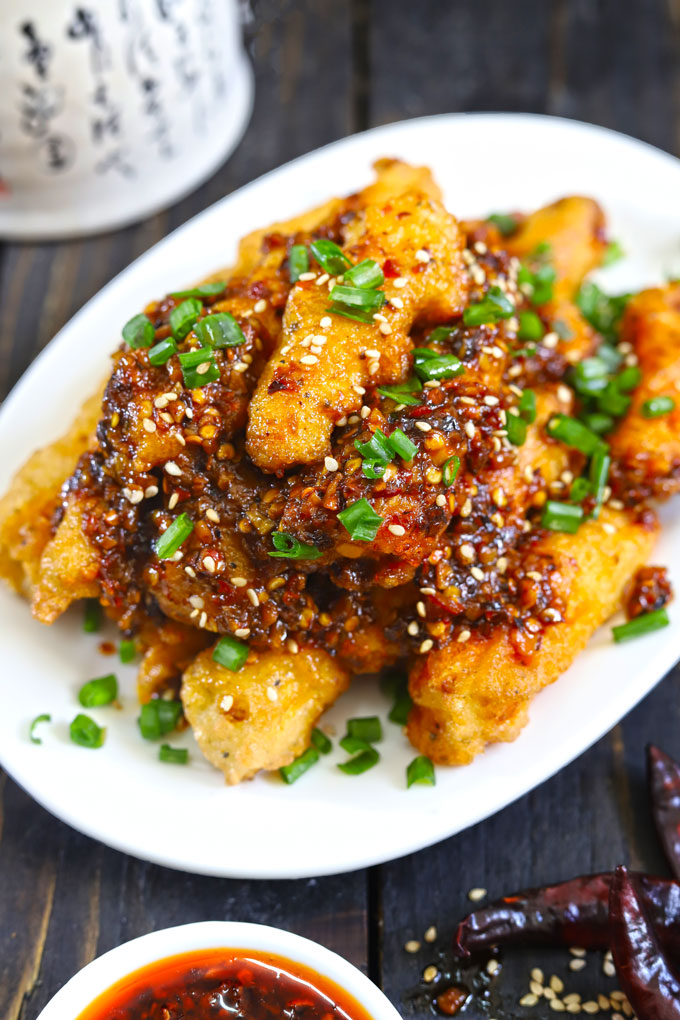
(262, 716)
(170, 649)
(28, 506)
(469, 695)
(648, 450)
(68, 568)
(301, 395)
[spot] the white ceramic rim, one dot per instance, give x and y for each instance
(99, 975)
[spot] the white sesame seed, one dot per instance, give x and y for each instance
(616, 504)
(227, 702)
(284, 350)
(536, 987)
(316, 350)
(342, 421)
(577, 964)
(464, 636)
(423, 426)
(324, 278)
(557, 1005)
(537, 975)
(400, 282)
(430, 973)
(631, 359)
(212, 515)
(467, 552)
(412, 946)
(203, 368)
(238, 366)
(609, 528)
(365, 411)
(490, 401)
(133, 495)
(426, 646)
(307, 276)
(557, 984)
(470, 430)
(326, 322)
(372, 354)
(477, 573)
(468, 401)
(196, 601)
(431, 934)
(514, 371)
(412, 628)
(172, 468)
(161, 402)
(173, 501)
(151, 491)
(590, 1007)
(203, 620)
(603, 1002)
(385, 328)
(272, 694)
(466, 508)
(528, 1000)
(292, 646)
(149, 425)
(260, 305)
(253, 596)
(492, 967)
(379, 317)
(359, 390)
(190, 571)
(428, 591)
(441, 499)
(242, 632)
(422, 256)
(373, 367)
(331, 464)
(420, 609)
(550, 340)
(209, 564)
(238, 582)
(476, 894)
(396, 302)
(353, 419)
(309, 359)
(396, 529)
(563, 394)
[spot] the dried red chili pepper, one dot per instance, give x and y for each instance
(645, 973)
(663, 774)
(573, 913)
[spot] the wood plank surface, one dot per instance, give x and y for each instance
(325, 68)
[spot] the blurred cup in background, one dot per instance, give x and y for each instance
(113, 109)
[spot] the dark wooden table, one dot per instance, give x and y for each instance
(325, 69)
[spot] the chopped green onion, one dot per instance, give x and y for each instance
(219, 330)
(369, 728)
(530, 327)
(641, 625)
(506, 224)
(362, 763)
(289, 548)
(656, 407)
(366, 274)
(496, 305)
(450, 470)
(574, 433)
(45, 717)
(158, 717)
(173, 755)
(360, 520)
(516, 428)
(173, 536)
(321, 741)
(402, 702)
(561, 517)
(330, 257)
(205, 290)
(599, 473)
(183, 317)
(611, 356)
(353, 744)
(563, 329)
(138, 331)
(527, 406)
(85, 732)
(356, 297)
(127, 650)
(230, 653)
(441, 334)
(376, 448)
(601, 310)
(420, 770)
(373, 469)
(291, 773)
(598, 422)
(298, 262)
(162, 351)
(628, 379)
(612, 401)
(101, 691)
(92, 617)
(403, 392)
(479, 314)
(356, 314)
(590, 376)
(524, 352)
(430, 365)
(402, 445)
(612, 253)
(580, 489)
(198, 368)
(540, 280)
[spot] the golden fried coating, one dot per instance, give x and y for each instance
(648, 450)
(472, 694)
(260, 717)
(68, 567)
(28, 506)
(169, 649)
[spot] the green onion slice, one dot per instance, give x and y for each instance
(656, 407)
(173, 755)
(574, 433)
(100, 691)
(138, 331)
(496, 305)
(321, 741)
(628, 378)
(450, 470)
(219, 330)
(361, 763)
(403, 392)
(162, 351)
(580, 489)
(601, 310)
(373, 469)
(360, 520)
(198, 368)
(85, 732)
(158, 717)
(377, 448)
(45, 717)
(92, 617)
(289, 548)
(357, 297)
(441, 334)
(173, 537)
(430, 365)
(516, 428)
(420, 770)
(356, 314)
(598, 422)
(612, 401)
(298, 262)
(612, 253)
(599, 472)
(205, 290)
(402, 702)
(561, 517)
(368, 728)
(127, 650)
(330, 257)
(367, 275)
(530, 326)
(291, 773)
(354, 744)
(183, 317)
(506, 224)
(527, 406)
(230, 653)
(402, 445)
(641, 625)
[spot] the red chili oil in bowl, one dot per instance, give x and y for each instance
(237, 984)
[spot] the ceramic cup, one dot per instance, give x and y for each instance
(111, 111)
(105, 971)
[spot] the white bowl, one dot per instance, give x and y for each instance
(85, 986)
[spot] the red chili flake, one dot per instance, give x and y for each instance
(390, 269)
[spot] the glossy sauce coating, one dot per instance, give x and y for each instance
(220, 983)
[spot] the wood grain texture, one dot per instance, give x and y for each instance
(325, 68)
